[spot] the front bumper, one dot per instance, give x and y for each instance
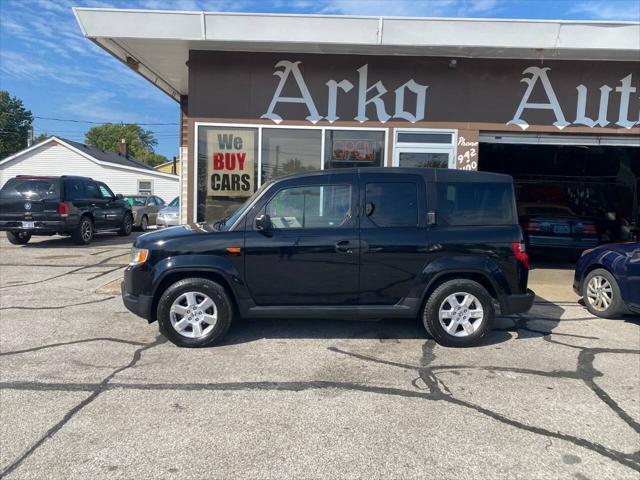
(138, 304)
(511, 304)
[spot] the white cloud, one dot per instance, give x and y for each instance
(609, 9)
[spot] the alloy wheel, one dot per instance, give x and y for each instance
(461, 314)
(599, 293)
(193, 314)
(85, 230)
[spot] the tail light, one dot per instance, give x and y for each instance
(531, 227)
(519, 250)
(63, 209)
(589, 229)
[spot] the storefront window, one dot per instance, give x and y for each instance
(289, 150)
(353, 148)
(227, 170)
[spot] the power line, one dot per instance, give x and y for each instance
(98, 123)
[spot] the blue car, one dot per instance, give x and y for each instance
(608, 279)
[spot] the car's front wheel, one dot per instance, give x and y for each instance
(458, 313)
(144, 224)
(195, 312)
(18, 238)
(601, 294)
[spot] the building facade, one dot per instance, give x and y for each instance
(555, 104)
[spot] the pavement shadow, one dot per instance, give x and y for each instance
(539, 322)
(100, 240)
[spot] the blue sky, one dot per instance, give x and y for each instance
(45, 61)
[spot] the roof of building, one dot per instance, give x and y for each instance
(100, 156)
(108, 156)
(156, 44)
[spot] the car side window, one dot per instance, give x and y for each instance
(73, 189)
(392, 204)
(472, 203)
(91, 190)
(105, 191)
(151, 201)
(159, 202)
(313, 206)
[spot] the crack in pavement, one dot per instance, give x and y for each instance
(59, 307)
(99, 388)
(100, 263)
(434, 388)
(74, 342)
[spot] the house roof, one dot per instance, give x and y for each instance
(108, 156)
(95, 154)
(156, 44)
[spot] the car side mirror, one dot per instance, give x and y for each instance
(119, 196)
(263, 223)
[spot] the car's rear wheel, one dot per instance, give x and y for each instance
(601, 294)
(18, 238)
(83, 234)
(458, 313)
(144, 224)
(127, 225)
(195, 312)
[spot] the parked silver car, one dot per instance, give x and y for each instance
(145, 209)
(169, 216)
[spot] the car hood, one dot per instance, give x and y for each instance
(161, 237)
(624, 248)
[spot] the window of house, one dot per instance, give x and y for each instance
(145, 187)
(317, 206)
(286, 151)
(353, 148)
(392, 204)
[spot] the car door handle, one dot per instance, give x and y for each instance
(344, 246)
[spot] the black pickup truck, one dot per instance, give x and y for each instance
(66, 205)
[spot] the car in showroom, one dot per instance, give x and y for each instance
(66, 205)
(145, 210)
(441, 245)
(169, 216)
(608, 279)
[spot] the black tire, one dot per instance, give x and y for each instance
(83, 234)
(144, 224)
(127, 225)
(18, 238)
(616, 307)
(430, 314)
(216, 292)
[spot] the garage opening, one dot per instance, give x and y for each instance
(573, 193)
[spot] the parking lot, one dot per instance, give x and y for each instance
(91, 391)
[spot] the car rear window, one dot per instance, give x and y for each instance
(40, 188)
(470, 203)
(137, 201)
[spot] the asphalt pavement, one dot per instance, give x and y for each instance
(88, 390)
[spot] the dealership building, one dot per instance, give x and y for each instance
(556, 104)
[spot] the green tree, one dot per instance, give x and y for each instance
(15, 124)
(41, 138)
(140, 142)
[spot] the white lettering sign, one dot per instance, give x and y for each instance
(378, 89)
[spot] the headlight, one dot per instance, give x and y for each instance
(138, 256)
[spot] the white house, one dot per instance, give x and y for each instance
(59, 156)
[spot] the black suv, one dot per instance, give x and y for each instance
(67, 205)
(444, 245)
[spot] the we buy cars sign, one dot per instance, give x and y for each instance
(230, 163)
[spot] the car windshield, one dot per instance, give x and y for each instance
(137, 201)
(42, 188)
(175, 202)
(227, 223)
